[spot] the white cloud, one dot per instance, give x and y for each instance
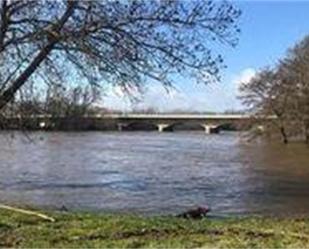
(156, 96)
(244, 77)
(161, 99)
(187, 96)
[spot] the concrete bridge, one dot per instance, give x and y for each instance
(211, 123)
(168, 122)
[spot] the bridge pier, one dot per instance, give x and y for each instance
(209, 128)
(121, 126)
(162, 127)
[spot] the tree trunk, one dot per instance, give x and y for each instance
(284, 135)
(10, 92)
(307, 133)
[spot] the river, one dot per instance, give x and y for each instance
(154, 173)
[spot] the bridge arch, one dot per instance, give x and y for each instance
(185, 126)
(139, 126)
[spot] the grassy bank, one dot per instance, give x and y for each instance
(100, 230)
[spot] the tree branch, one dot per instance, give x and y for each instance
(9, 93)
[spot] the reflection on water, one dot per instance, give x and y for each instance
(154, 173)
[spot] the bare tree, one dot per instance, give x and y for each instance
(72, 102)
(266, 96)
(126, 43)
(297, 66)
(283, 92)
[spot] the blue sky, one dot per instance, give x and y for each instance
(269, 28)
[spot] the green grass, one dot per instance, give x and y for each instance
(80, 230)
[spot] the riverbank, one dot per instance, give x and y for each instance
(80, 230)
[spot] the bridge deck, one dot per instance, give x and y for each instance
(177, 116)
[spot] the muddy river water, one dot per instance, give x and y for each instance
(154, 173)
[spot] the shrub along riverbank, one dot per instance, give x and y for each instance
(100, 230)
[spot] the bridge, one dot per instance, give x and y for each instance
(210, 123)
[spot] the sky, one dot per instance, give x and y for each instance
(268, 29)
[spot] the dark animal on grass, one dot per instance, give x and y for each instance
(196, 213)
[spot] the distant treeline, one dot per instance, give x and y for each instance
(282, 91)
(75, 102)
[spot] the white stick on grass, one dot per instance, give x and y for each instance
(28, 212)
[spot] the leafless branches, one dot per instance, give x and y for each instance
(125, 43)
(284, 93)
